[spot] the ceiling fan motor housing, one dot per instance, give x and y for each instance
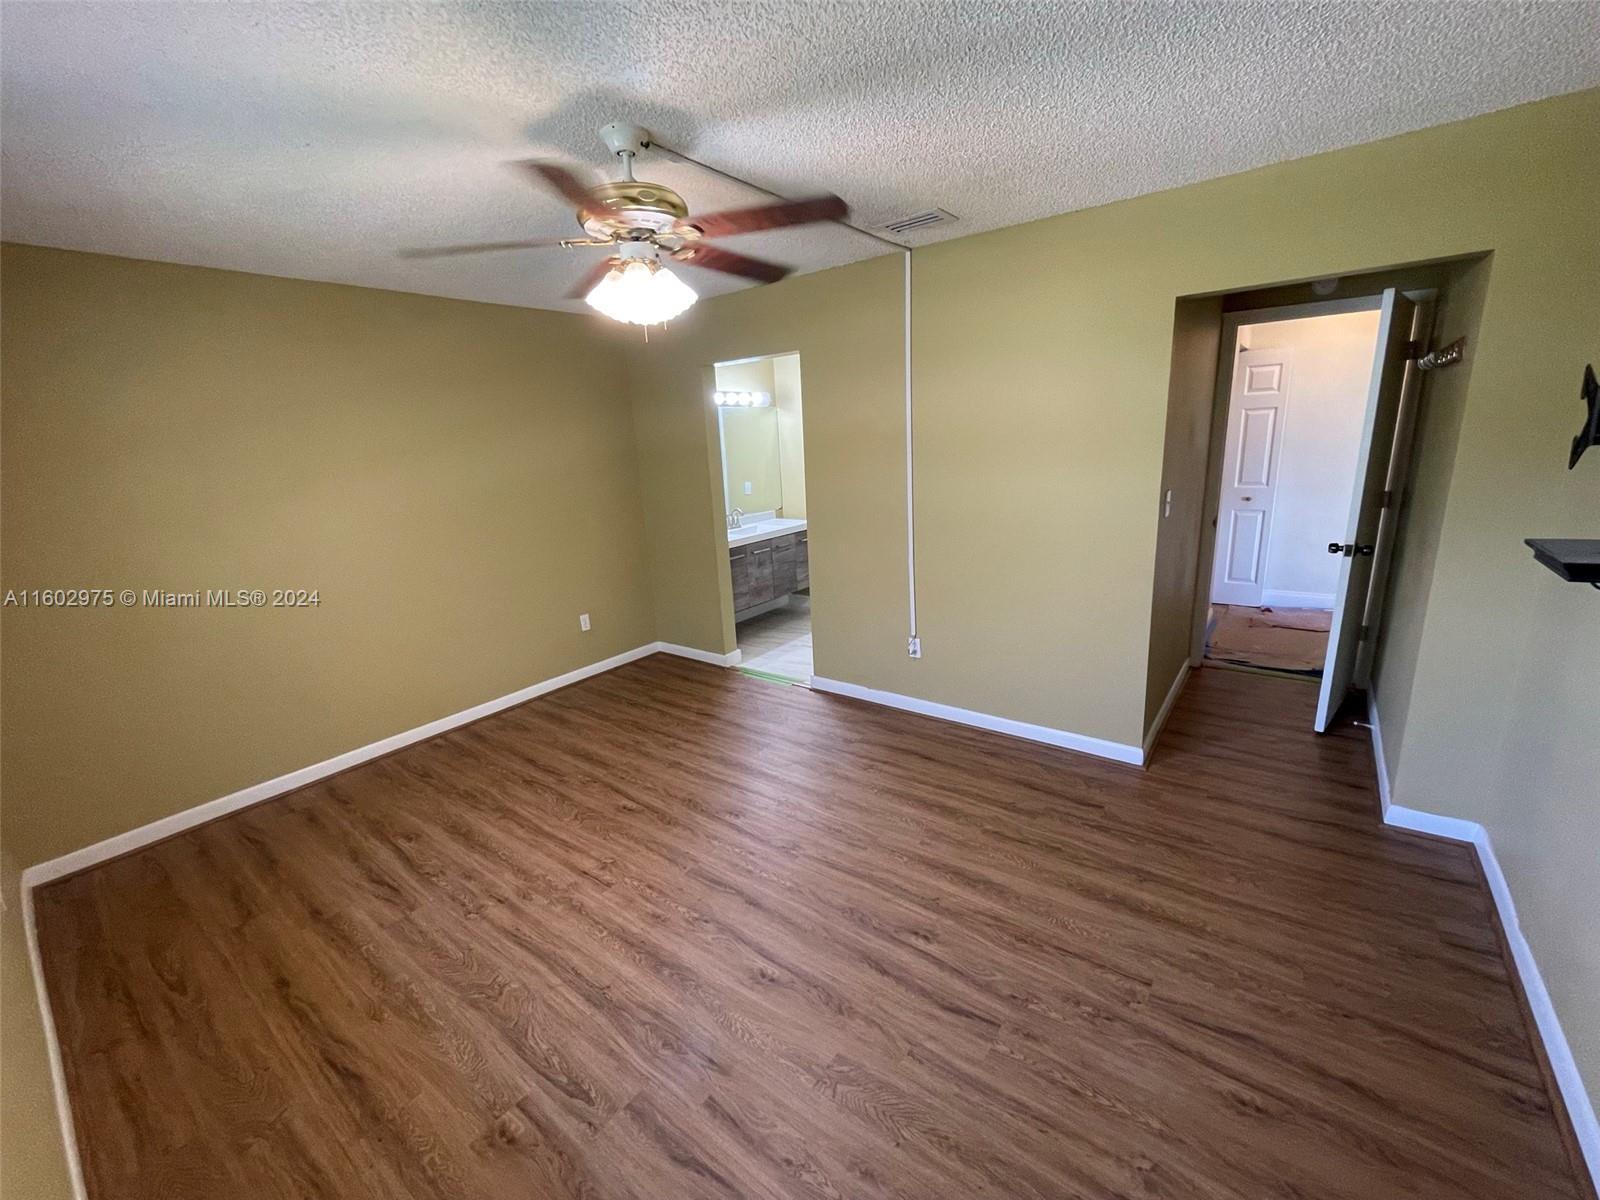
(633, 204)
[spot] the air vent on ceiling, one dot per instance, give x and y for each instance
(917, 222)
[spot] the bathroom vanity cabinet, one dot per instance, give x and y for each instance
(768, 570)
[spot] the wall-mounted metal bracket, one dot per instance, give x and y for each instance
(1448, 356)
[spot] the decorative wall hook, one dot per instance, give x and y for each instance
(1589, 435)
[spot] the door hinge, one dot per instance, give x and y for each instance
(1361, 634)
(1386, 500)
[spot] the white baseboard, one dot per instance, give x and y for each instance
(1562, 1065)
(1099, 747)
(1384, 797)
(731, 659)
(134, 839)
(1271, 598)
(123, 843)
(52, 1044)
(1418, 821)
(1160, 722)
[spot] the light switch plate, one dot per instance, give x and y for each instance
(583, 622)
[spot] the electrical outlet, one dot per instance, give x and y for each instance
(914, 647)
(583, 622)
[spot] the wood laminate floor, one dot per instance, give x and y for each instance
(678, 933)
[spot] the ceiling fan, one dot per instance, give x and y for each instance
(644, 223)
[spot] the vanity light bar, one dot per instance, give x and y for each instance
(742, 399)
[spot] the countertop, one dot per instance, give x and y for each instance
(760, 531)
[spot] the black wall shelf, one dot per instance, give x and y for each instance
(1574, 559)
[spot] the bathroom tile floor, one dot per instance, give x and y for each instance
(779, 642)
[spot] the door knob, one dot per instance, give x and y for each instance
(1349, 549)
(1337, 548)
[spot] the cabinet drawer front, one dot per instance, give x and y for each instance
(785, 578)
(761, 575)
(742, 579)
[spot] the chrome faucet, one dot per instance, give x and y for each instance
(736, 518)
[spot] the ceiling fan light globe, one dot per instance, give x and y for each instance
(637, 292)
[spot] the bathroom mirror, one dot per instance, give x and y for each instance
(758, 417)
(752, 472)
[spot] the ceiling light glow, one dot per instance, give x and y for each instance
(640, 292)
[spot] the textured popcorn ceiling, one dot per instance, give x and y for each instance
(316, 140)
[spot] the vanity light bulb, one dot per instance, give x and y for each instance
(727, 399)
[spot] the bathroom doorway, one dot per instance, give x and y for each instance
(760, 425)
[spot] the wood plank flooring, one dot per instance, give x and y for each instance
(674, 932)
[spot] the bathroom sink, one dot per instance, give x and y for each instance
(752, 531)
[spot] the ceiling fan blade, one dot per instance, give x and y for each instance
(560, 181)
(479, 248)
(715, 258)
(769, 216)
(591, 277)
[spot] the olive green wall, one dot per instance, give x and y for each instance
(845, 324)
(1042, 368)
(1042, 362)
(1191, 389)
(458, 481)
(1423, 504)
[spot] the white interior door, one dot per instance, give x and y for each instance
(1393, 366)
(1257, 404)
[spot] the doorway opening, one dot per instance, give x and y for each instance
(760, 426)
(1258, 517)
(1296, 399)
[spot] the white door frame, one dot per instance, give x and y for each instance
(1221, 396)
